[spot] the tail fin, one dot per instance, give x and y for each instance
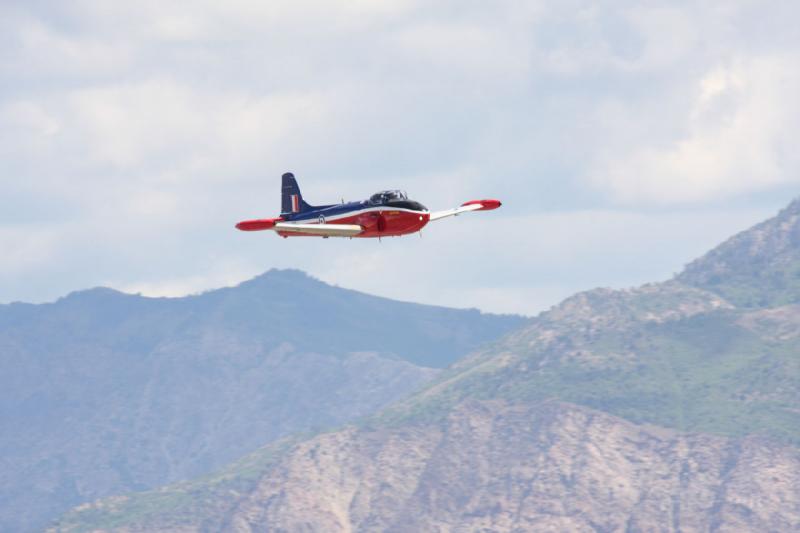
(291, 198)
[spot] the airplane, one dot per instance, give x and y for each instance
(385, 214)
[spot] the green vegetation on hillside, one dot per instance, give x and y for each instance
(757, 268)
(703, 373)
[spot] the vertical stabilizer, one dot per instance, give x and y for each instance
(291, 198)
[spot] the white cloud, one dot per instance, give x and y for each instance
(469, 50)
(28, 117)
(670, 35)
(26, 248)
(223, 274)
(130, 124)
(735, 139)
(198, 130)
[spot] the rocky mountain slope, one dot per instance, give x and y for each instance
(105, 392)
(670, 407)
(488, 466)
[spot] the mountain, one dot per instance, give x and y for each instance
(670, 407)
(105, 392)
(757, 268)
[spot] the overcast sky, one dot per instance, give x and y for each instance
(625, 139)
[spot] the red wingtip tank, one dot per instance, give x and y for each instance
(259, 224)
(488, 205)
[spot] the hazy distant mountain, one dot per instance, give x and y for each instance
(671, 407)
(104, 392)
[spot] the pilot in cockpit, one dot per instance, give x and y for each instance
(385, 197)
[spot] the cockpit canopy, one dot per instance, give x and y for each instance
(385, 197)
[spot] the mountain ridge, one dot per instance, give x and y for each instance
(758, 267)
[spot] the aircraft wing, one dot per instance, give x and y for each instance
(474, 205)
(322, 230)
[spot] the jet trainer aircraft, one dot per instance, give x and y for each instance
(385, 214)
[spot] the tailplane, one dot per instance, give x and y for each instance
(291, 198)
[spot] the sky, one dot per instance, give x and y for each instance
(624, 138)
